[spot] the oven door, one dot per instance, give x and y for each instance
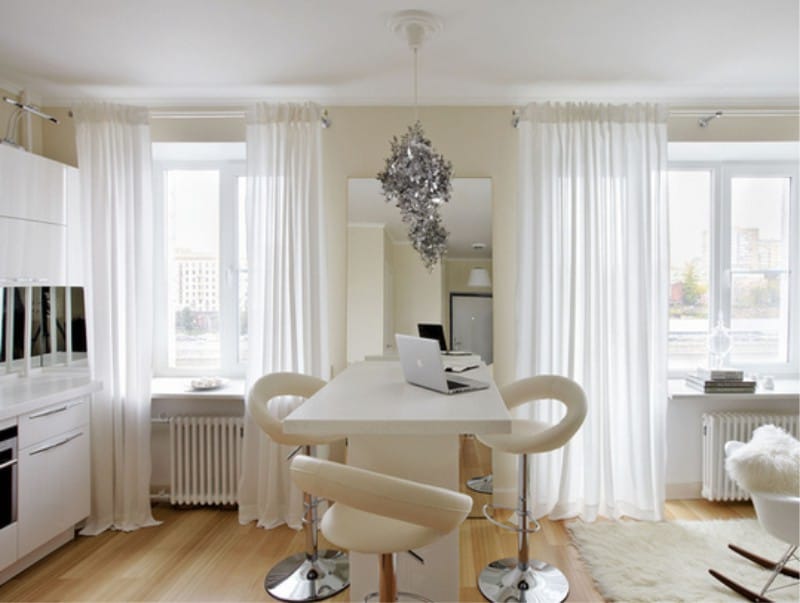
(8, 476)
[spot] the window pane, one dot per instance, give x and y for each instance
(759, 275)
(689, 217)
(242, 239)
(193, 267)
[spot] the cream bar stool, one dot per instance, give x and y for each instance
(380, 514)
(521, 578)
(314, 574)
(483, 484)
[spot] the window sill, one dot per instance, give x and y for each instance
(784, 388)
(170, 388)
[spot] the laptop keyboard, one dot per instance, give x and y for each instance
(456, 385)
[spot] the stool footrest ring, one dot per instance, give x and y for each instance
(488, 513)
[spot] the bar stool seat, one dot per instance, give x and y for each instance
(312, 575)
(366, 532)
(379, 514)
(519, 440)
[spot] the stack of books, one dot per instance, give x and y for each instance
(720, 381)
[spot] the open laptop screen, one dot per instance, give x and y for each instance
(433, 331)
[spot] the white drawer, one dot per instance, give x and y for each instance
(51, 421)
(8, 545)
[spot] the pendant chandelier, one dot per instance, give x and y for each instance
(416, 178)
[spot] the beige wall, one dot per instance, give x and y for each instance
(732, 127)
(417, 292)
(478, 140)
(365, 291)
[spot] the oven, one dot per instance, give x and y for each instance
(8, 476)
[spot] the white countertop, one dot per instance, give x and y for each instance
(373, 398)
(20, 395)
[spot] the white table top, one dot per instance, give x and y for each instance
(373, 398)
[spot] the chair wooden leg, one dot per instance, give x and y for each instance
(786, 571)
(738, 588)
(388, 578)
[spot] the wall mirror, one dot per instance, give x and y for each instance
(389, 290)
(46, 325)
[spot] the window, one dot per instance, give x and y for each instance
(201, 292)
(734, 232)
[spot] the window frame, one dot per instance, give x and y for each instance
(720, 268)
(230, 170)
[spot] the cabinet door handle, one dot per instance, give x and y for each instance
(51, 411)
(8, 464)
(55, 444)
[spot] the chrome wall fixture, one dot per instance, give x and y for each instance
(704, 121)
(13, 121)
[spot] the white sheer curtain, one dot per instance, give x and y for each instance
(592, 299)
(287, 288)
(114, 157)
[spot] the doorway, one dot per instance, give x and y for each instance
(471, 324)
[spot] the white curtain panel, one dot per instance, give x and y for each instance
(591, 299)
(287, 290)
(114, 157)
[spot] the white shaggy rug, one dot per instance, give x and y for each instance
(669, 561)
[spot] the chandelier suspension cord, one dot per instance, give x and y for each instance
(416, 99)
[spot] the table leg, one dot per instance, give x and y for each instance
(427, 459)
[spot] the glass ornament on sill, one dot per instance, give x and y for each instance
(719, 344)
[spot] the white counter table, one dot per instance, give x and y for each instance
(410, 432)
(21, 395)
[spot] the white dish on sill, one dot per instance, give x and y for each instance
(201, 384)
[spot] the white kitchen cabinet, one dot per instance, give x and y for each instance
(76, 231)
(8, 545)
(34, 196)
(54, 472)
(32, 187)
(32, 252)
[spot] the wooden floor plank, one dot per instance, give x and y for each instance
(205, 555)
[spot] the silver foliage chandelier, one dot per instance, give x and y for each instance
(416, 178)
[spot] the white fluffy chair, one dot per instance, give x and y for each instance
(768, 467)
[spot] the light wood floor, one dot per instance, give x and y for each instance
(205, 555)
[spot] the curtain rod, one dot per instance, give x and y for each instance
(704, 115)
(217, 114)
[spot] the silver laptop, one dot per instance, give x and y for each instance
(422, 365)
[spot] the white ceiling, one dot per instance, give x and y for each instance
(225, 52)
(467, 217)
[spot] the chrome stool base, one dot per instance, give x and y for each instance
(298, 578)
(483, 484)
(503, 580)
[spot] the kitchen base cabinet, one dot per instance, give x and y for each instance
(53, 478)
(53, 488)
(8, 545)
